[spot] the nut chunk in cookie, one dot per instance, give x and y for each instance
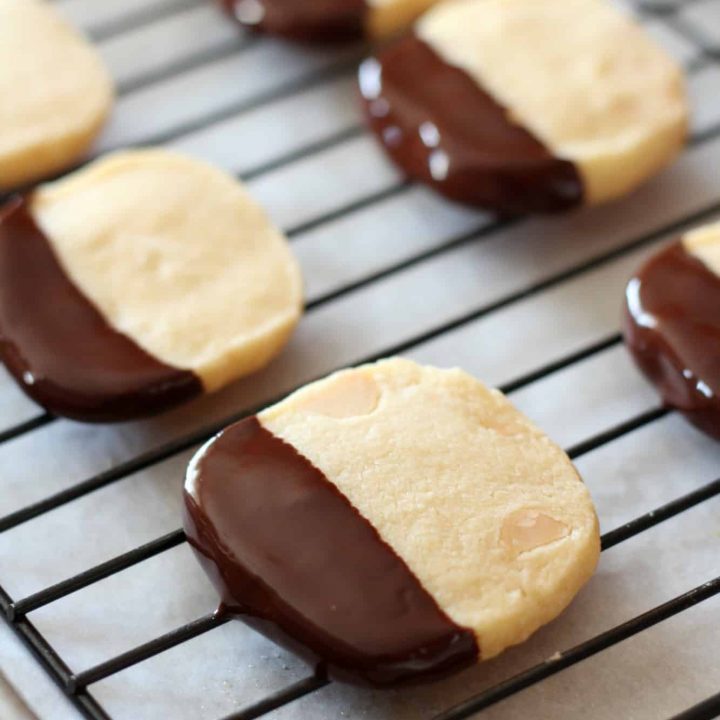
(392, 523)
(672, 325)
(527, 106)
(139, 282)
(55, 93)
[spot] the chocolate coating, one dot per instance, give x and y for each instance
(443, 129)
(58, 346)
(290, 555)
(672, 328)
(326, 20)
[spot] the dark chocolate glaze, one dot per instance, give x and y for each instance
(58, 346)
(324, 20)
(290, 555)
(672, 328)
(443, 129)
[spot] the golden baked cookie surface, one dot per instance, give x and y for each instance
(177, 256)
(54, 92)
(579, 74)
(485, 509)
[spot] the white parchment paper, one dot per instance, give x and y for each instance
(186, 78)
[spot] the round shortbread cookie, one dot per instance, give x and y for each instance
(327, 19)
(672, 325)
(392, 522)
(139, 281)
(524, 106)
(55, 93)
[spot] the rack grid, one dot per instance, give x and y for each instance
(218, 123)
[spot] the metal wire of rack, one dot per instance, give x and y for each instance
(77, 685)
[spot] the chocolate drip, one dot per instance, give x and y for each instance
(290, 555)
(328, 20)
(58, 346)
(443, 129)
(672, 328)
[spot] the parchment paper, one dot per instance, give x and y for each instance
(660, 672)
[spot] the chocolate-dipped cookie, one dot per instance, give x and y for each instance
(327, 20)
(521, 106)
(392, 523)
(137, 283)
(55, 93)
(672, 325)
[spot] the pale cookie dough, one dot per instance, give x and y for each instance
(704, 244)
(672, 325)
(139, 281)
(580, 75)
(484, 508)
(388, 17)
(392, 522)
(55, 93)
(327, 20)
(178, 257)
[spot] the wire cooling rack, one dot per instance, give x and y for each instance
(530, 305)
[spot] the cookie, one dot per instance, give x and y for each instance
(139, 282)
(392, 523)
(327, 19)
(520, 106)
(55, 93)
(672, 325)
